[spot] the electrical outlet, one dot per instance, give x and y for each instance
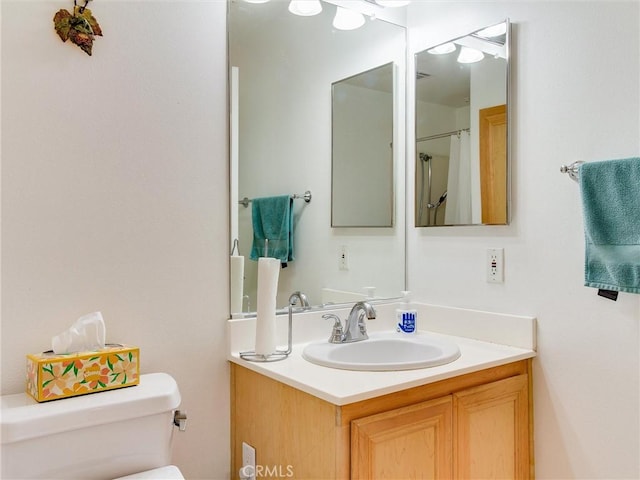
(248, 470)
(495, 265)
(343, 260)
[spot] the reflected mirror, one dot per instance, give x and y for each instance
(362, 150)
(462, 164)
(282, 69)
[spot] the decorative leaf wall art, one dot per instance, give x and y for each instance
(81, 27)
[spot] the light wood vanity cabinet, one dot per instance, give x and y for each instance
(476, 425)
(480, 432)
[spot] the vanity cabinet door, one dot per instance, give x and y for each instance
(407, 442)
(491, 430)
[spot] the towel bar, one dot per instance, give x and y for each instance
(306, 196)
(572, 170)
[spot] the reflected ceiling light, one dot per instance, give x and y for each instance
(470, 55)
(392, 3)
(305, 8)
(346, 19)
(493, 31)
(442, 49)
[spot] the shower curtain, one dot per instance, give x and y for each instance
(458, 210)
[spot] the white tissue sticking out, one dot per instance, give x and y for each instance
(86, 334)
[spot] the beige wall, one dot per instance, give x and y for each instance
(114, 181)
(114, 197)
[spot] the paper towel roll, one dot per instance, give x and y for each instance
(268, 272)
(237, 281)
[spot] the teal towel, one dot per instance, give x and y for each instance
(611, 205)
(272, 219)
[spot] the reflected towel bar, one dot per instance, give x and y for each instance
(306, 196)
(572, 170)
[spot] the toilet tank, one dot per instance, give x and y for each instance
(97, 436)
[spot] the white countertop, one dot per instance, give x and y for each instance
(341, 387)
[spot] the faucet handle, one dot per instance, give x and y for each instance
(338, 332)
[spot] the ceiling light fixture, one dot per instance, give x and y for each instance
(442, 49)
(256, 1)
(392, 3)
(493, 31)
(305, 8)
(346, 19)
(470, 55)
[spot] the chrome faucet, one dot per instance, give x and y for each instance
(299, 296)
(355, 328)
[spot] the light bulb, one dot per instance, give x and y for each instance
(442, 49)
(347, 19)
(305, 8)
(470, 55)
(493, 31)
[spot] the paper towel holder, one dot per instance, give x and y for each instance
(236, 246)
(252, 356)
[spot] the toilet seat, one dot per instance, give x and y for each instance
(170, 472)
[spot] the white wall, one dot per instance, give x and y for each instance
(576, 97)
(114, 181)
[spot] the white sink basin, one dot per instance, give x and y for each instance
(384, 351)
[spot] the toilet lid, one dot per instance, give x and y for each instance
(170, 472)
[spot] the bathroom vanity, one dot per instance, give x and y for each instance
(469, 419)
(472, 426)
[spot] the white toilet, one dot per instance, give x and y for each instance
(122, 433)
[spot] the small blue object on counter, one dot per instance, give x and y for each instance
(407, 321)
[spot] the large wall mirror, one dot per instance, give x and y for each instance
(282, 69)
(462, 152)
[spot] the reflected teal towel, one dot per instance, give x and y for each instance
(272, 219)
(611, 205)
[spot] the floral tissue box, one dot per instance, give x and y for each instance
(51, 376)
